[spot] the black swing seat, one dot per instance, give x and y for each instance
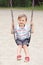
(28, 40)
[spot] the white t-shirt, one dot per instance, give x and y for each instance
(22, 33)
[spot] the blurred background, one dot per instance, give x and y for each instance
(20, 3)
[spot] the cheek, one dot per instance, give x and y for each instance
(18, 22)
(24, 22)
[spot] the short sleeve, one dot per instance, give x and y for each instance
(27, 27)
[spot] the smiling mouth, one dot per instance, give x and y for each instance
(21, 23)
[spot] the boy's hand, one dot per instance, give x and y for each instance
(32, 29)
(12, 31)
(12, 28)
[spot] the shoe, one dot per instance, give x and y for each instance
(19, 57)
(27, 59)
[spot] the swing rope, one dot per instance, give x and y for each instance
(12, 18)
(31, 16)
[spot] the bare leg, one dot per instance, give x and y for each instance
(27, 59)
(19, 49)
(26, 50)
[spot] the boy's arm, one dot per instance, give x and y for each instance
(12, 28)
(32, 27)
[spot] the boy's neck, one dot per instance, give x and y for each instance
(21, 26)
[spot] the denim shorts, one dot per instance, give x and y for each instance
(23, 42)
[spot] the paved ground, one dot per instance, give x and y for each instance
(8, 46)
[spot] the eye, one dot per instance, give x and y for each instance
(19, 20)
(22, 20)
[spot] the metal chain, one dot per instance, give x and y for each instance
(32, 15)
(12, 14)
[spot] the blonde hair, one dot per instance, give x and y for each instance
(23, 15)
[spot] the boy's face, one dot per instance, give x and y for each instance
(22, 21)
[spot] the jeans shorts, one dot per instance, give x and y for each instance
(23, 42)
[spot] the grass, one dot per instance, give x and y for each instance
(25, 8)
(38, 7)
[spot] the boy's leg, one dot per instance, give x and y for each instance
(26, 50)
(19, 49)
(26, 53)
(19, 52)
(19, 44)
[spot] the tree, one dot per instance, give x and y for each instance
(38, 2)
(3, 3)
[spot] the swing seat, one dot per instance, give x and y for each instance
(28, 41)
(25, 41)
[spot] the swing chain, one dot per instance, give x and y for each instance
(12, 31)
(31, 23)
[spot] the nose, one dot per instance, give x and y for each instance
(21, 21)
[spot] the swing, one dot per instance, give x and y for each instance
(30, 20)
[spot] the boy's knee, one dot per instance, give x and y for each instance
(24, 46)
(20, 45)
